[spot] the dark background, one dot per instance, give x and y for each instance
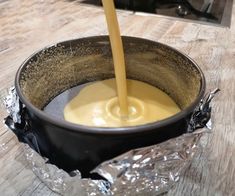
(203, 10)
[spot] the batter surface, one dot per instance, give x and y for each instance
(97, 105)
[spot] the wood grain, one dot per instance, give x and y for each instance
(28, 25)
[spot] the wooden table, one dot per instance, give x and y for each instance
(28, 25)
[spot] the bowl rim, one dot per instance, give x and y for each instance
(68, 126)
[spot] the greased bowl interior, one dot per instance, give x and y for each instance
(55, 69)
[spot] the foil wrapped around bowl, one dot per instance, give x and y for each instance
(149, 170)
(51, 76)
(138, 160)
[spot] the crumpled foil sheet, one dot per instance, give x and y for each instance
(150, 170)
(12, 105)
(146, 171)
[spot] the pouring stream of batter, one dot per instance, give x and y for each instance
(118, 102)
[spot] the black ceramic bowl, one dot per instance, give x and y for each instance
(55, 69)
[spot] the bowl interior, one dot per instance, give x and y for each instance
(60, 67)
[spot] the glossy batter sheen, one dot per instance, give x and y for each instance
(118, 54)
(97, 105)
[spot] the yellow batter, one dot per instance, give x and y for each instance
(106, 104)
(97, 105)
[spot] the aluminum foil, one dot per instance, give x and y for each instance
(146, 171)
(12, 105)
(150, 170)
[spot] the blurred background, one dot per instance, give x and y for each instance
(212, 11)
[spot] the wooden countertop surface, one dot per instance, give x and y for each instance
(28, 25)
